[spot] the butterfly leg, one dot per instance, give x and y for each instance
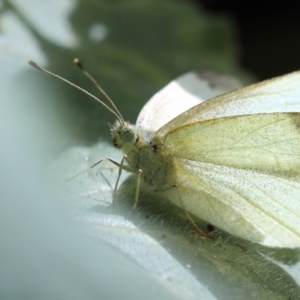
(121, 167)
(198, 230)
(90, 167)
(136, 198)
(126, 168)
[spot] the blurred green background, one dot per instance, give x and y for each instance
(66, 240)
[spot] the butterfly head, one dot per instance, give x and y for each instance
(122, 133)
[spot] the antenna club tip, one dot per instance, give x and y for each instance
(78, 63)
(34, 64)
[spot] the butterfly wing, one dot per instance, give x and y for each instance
(244, 172)
(239, 167)
(180, 95)
(260, 207)
(280, 94)
(265, 142)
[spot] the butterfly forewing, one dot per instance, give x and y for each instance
(281, 94)
(266, 142)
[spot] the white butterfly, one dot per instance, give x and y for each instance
(233, 160)
(235, 157)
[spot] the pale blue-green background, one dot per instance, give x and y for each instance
(65, 241)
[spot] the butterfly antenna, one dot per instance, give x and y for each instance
(115, 112)
(78, 63)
